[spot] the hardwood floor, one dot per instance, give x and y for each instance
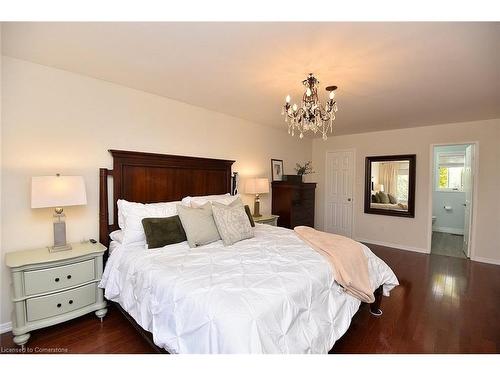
(447, 244)
(443, 305)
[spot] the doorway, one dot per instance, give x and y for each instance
(452, 199)
(339, 192)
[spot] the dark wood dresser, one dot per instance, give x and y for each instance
(294, 203)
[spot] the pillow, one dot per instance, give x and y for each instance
(392, 199)
(236, 200)
(249, 214)
(232, 222)
(162, 209)
(201, 200)
(377, 197)
(116, 235)
(133, 213)
(383, 197)
(199, 224)
(162, 231)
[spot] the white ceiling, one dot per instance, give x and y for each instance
(390, 75)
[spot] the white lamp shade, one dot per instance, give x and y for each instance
(57, 191)
(257, 186)
(381, 187)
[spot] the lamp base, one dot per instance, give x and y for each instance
(55, 249)
(256, 207)
(60, 243)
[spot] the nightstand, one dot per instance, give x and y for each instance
(50, 288)
(267, 219)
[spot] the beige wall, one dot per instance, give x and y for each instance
(412, 234)
(55, 121)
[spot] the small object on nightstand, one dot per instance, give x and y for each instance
(267, 219)
(257, 186)
(92, 240)
(58, 191)
(49, 288)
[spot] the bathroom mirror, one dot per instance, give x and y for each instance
(390, 185)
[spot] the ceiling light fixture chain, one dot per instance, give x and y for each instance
(311, 115)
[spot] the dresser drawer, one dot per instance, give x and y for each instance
(60, 303)
(55, 278)
(303, 194)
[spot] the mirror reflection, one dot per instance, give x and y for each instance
(390, 185)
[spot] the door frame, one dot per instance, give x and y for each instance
(353, 221)
(473, 214)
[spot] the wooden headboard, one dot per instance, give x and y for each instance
(149, 178)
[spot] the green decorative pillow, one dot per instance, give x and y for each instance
(383, 197)
(392, 199)
(377, 197)
(162, 231)
(249, 214)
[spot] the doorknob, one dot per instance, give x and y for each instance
(348, 199)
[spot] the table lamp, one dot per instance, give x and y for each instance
(257, 186)
(58, 191)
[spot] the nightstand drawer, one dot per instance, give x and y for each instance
(60, 303)
(47, 280)
(269, 222)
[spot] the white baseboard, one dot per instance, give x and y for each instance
(486, 260)
(448, 230)
(394, 245)
(5, 327)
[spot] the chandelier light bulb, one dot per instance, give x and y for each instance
(294, 107)
(308, 92)
(332, 94)
(288, 99)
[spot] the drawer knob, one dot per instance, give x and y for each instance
(56, 279)
(70, 301)
(68, 277)
(59, 305)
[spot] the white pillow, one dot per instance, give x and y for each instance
(132, 213)
(116, 235)
(201, 200)
(126, 208)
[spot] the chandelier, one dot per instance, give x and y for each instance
(311, 116)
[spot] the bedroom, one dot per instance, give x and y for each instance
(73, 91)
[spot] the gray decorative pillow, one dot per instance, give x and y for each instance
(392, 199)
(232, 222)
(199, 224)
(383, 197)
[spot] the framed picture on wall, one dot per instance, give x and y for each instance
(277, 169)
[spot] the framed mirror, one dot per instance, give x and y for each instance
(390, 185)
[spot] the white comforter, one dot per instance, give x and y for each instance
(268, 294)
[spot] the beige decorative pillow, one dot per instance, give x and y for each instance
(232, 222)
(199, 224)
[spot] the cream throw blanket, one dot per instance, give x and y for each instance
(350, 265)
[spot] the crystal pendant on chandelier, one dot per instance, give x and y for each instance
(311, 115)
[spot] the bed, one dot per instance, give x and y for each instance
(268, 294)
(390, 206)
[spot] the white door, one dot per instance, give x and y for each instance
(468, 182)
(339, 192)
